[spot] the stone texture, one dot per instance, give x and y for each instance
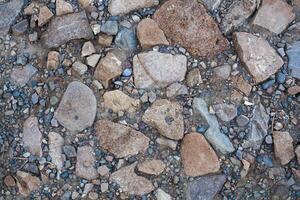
(21, 75)
(259, 58)
(93, 60)
(297, 152)
(149, 34)
(198, 157)
(193, 77)
(44, 15)
(77, 109)
(158, 70)
(53, 60)
(274, 15)
(9, 181)
(211, 4)
(195, 29)
(176, 89)
(87, 49)
(27, 183)
(130, 182)
(85, 163)
(32, 137)
(166, 117)
(126, 40)
(294, 90)
(105, 40)
(151, 167)
(222, 72)
(120, 140)
(110, 27)
(66, 28)
(20, 27)
(121, 7)
(283, 147)
(225, 112)
(63, 7)
(293, 52)
(238, 82)
(56, 142)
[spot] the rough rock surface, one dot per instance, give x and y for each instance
(211, 4)
(44, 15)
(56, 142)
(27, 183)
(151, 167)
(225, 112)
(22, 75)
(283, 147)
(294, 60)
(85, 163)
(63, 7)
(32, 137)
(121, 7)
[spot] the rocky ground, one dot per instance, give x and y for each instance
(149, 99)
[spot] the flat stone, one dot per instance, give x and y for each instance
(274, 15)
(44, 15)
(69, 151)
(32, 137)
(223, 72)
(166, 117)
(122, 7)
(149, 34)
(195, 29)
(85, 163)
(21, 75)
(93, 60)
(158, 70)
(205, 187)
(126, 40)
(63, 7)
(27, 183)
(225, 112)
(162, 195)
(110, 27)
(20, 27)
(66, 28)
(87, 49)
(53, 60)
(176, 89)
(151, 167)
(56, 142)
(198, 157)
(120, 140)
(259, 58)
(283, 147)
(77, 109)
(131, 183)
(293, 52)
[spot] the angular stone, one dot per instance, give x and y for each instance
(283, 147)
(176, 89)
(103, 170)
(85, 163)
(79, 67)
(110, 27)
(63, 7)
(121, 7)
(149, 34)
(238, 82)
(85, 3)
(293, 52)
(166, 117)
(77, 109)
(259, 58)
(294, 90)
(105, 40)
(131, 183)
(120, 140)
(223, 72)
(162, 195)
(22, 75)
(211, 4)
(162, 141)
(32, 137)
(193, 77)
(27, 183)
(225, 112)
(195, 29)
(151, 167)
(87, 49)
(44, 15)
(53, 60)
(66, 28)
(158, 70)
(126, 40)
(93, 60)
(198, 157)
(274, 15)
(20, 27)
(56, 142)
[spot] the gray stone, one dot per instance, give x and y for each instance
(126, 40)
(162, 195)
(225, 112)
(293, 53)
(22, 75)
(176, 89)
(85, 163)
(20, 27)
(121, 7)
(32, 137)
(110, 27)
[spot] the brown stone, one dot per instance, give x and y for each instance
(152, 167)
(121, 7)
(187, 22)
(53, 60)
(21, 75)
(27, 183)
(296, 174)
(44, 15)
(85, 163)
(32, 137)
(193, 77)
(294, 90)
(9, 181)
(283, 147)
(63, 7)
(198, 157)
(241, 84)
(85, 3)
(105, 40)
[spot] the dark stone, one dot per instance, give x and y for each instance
(70, 151)
(293, 53)
(126, 40)
(20, 27)
(281, 77)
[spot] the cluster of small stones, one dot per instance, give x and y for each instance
(149, 99)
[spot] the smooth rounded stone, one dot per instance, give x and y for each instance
(53, 60)
(225, 112)
(151, 167)
(158, 70)
(293, 52)
(259, 58)
(162, 195)
(126, 40)
(131, 183)
(56, 141)
(32, 137)
(269, 139)
(195, 29)
(198, 157)
(193, 77)
(283, 147)
(266, 85)
(120, 140)
(176, 89)
(87, 49)
(21, 75)
(69, 151)
(27, 183)
(77, 109)
(242, 120)
(110, 27)
(122, 7)
(93, 60)
(44, 16)
(85, 163)
(223, 72)
(20, 27)
(166, 117)
(63, 7)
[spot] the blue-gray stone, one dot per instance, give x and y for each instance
(266, 85)
(265, 160)
(35, 98)
(281, 78)
(126, 40)
(110, 27)
(293, 53)
(127, 72)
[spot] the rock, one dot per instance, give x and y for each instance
(85, 163)
(162, 195)
(225, 112)
(21, 75)
(79, 67)
(130, 182)
(126, 40)
(293, 52)
(118, 101)
(195, 29)
(85, 3)
(211, 4)
(66, 28)
(33, 37)
(259, 58)
(44, 15)
(205, 187)
(110, 27)
(105, 40)
(274, 15)
(32, 137)
(158, 70)
(69, 151)
(93, 60)
(87, 49)
(193, 77)
(103, 170)
(63, 7)
(120, 140)
(167, 143)
(151, 167)
(176, 89)
(223, 72)
(166, 117)
(32, 8)
(77, 109)
(149, 34)
(283, 147)
(122, 7)
(9, 12)
(242, 120)
(53, 60)
(198, 157)
(20, 27)
(9, 181)
(238, 82)
(213, 134)
(56, 141)
(27, 183)
(297, 152)
(294, 90)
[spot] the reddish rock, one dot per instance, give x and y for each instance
(32, 137)
(9, 181)
(283, 147)
(152, 167)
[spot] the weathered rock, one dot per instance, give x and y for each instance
(22, 75)
(110, 27)
(9, 181)
(44, 15)
(205, 187)
(93, 60)
(176, 89)
(259, 58)
(66, 28)
(223, 72)
(32, 137)
(69, 151)
(87, 49)
(77, 109)
(85, 163)
(20, 27)
(53, 60)
(242, 120)
(63, 7)
(105, 40)
(283, 147)
(126, 40)
(193, 77)
(162, 195)
(85, 3)
(225, 112)
(79, 67)
(167, 143)
(152, 167)
(149, 34)
(103, 170)
(238, 82)
(211, 4)
(166, 117)
(158, 70)
(274, 15)
(56, 141)
(198, 157)
(195, 29)
(294, 90)
(121, 7)
(120, 140)
(27, 183)
(293, 52)
(130, 182)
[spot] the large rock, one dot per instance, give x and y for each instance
(32, 137)
(283, 147)
(259, 58)
(56, 142)
(22, 75)
(121, 7)
(187, 23)
(120, 140)
(198, 157)
(158, 70)
(166, 117)
(293, 52)
(27, 183)
(66, 28)
(85, 163)
(77, 109)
